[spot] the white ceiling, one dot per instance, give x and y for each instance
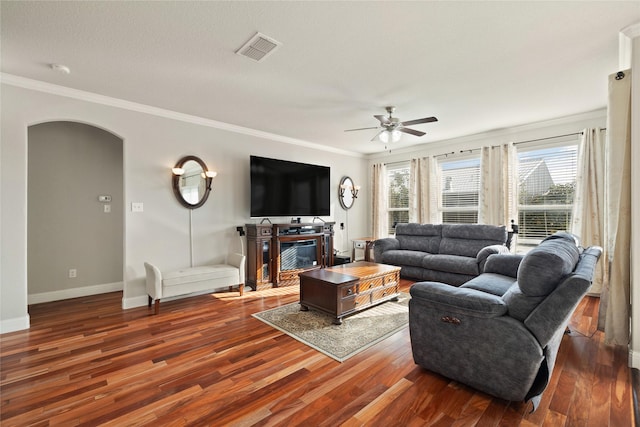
(477, 66)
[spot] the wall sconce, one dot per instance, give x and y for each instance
(177, 171)
(347, 192)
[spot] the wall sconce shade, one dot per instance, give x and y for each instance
(177, 171)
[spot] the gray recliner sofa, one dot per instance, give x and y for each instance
(501, 331)
(449, 253)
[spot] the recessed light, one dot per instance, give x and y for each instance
(60, 68)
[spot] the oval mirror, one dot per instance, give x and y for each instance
(190, 182)
(345, 195)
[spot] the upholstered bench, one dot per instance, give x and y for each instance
(194, 279)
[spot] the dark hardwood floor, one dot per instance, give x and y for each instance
(205, 360)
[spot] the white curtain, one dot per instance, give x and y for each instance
(379, 199)
(497, 202)
(615, 297)
(424, 191)
(588, 203)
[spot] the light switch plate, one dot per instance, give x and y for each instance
(137, 207)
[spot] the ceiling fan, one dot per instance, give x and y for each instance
(391, 127)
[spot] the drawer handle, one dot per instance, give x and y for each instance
(349, 291)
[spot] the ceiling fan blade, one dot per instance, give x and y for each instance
(351, 130)
(383, 119)
(412, 131)
(377, 135)
(419, 121)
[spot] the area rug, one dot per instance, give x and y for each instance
(357, 332)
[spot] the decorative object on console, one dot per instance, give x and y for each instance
(191, 181)
(391, 128)
(347, 192)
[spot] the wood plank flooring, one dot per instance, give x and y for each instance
(205, 361)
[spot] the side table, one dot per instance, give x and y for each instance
(364, 243)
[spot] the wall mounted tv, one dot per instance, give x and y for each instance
(284, 188)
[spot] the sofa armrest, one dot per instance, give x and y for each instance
(383, 245)
(459, 300)
(484, 253)
(505, 264)
(154, 281)
(238, 260)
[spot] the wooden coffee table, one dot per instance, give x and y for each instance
(345, 289)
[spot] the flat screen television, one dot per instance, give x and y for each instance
(284, 188)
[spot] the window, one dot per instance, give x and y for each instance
(547, 180)
(398, 197)
(460, 187)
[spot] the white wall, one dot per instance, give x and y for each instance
(152, 145)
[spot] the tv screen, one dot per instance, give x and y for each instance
(284, 188)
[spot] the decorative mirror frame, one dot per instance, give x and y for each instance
(175, 182)
(345, 189)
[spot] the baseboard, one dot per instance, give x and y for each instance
(634, 359)
(134, 302)
(15, 324)
(74, 293)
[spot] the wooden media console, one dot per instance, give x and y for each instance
(276, 253)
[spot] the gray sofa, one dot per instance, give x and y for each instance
(500, 332)
(448, 253)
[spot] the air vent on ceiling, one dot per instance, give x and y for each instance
(258, 47)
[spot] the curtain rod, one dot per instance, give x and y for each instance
(552, 137)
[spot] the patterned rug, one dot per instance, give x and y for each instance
(357, 332)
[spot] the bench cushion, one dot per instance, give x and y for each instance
(200, 274)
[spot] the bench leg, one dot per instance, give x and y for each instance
(157, 307)
(150, 301)
(240, 288)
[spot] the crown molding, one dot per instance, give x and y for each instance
(95, 98)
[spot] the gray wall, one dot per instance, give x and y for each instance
(69, 166)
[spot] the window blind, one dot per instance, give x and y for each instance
(398, 196)
(547, 179)
(460, 186)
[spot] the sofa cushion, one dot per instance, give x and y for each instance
(451, 263)
(495, 284)
(543, 267)
(403, 257)
(519, 304)
(419, 237)
(469, 239)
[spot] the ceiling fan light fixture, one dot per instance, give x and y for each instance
(390, 136)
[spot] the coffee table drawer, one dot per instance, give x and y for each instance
(363, 300)
(367, 284)
(348, 291)
(384, 292)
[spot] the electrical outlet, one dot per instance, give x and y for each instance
(73, 273)
(137, 207)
